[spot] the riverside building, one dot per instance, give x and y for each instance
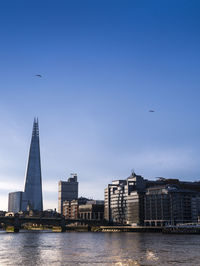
(71, 207)
(170, 205)
(84, 208)
(124, 200)
(137, 201)
(92, 210)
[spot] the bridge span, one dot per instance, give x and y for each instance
(17, 222)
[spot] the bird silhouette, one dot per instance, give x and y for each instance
(151, 111)
(38, 75)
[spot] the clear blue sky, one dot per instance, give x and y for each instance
(104, 64)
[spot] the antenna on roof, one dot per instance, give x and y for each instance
(132, 172)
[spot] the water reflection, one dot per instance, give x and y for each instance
(29, 247)
(151, 256)
(87, 248)
(120, 246)
(134, 244)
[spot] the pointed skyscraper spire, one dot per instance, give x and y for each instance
(32, 195)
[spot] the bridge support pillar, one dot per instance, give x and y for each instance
(16, 229)
(63, 228)
(89, 228)
(63, 225)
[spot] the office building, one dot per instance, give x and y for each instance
(92, 210)
(124, 200)
(31, 198)
(15, 201)
(67, 190)
(137, 201)
(170, 205)
(71, 207)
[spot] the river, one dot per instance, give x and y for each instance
(88, 248)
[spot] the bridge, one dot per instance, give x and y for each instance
(16, 222)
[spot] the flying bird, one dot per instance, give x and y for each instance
(38, 75)
(151, 111)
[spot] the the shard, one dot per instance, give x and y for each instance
(32, 196)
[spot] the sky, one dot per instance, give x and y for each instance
(104, 65)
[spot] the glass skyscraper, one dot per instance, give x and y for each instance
(32, 196)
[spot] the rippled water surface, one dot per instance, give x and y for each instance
(86, 248)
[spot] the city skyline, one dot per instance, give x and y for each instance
(103, 66)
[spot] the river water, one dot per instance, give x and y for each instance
(88, 248)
